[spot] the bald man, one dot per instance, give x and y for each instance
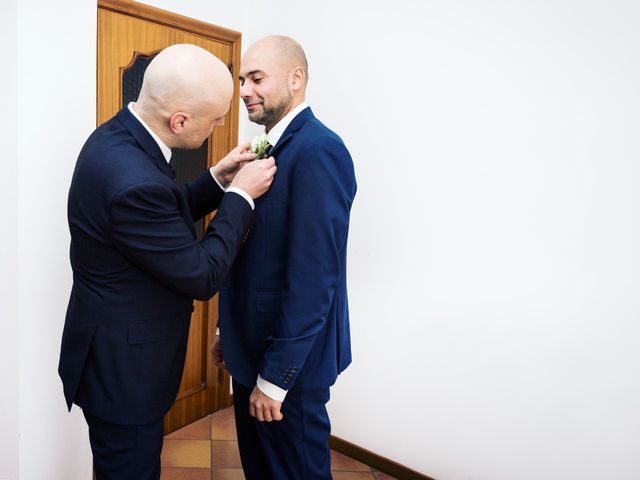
(284, 322)
(137, 265)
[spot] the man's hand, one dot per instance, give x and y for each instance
(263, 407)
(216, 353)
(255, 177)
(225, 170)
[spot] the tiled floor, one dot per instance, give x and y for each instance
(208, 450)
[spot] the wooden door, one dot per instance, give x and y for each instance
(129, 35)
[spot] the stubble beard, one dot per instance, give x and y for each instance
(269, 116)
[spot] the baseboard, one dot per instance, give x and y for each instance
(375, 461)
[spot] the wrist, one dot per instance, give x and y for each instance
(217, 176)
(270, 390)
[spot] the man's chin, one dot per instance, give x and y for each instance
(191, 145)
(256, 117)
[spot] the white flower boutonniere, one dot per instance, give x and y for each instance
(260, 145)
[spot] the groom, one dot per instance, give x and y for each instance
(284, 322)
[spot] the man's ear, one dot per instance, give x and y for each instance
(177, 122)
(296, 79)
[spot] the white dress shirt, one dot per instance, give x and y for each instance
(278, 129)
(166, 151)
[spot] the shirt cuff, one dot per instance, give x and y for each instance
(271, 390)
(237, 190)
(217, 181)
(243, 194)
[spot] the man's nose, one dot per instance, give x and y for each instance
(245, 91)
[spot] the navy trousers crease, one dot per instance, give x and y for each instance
(295, 448)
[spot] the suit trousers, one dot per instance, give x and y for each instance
(295, 448)
(125, 452)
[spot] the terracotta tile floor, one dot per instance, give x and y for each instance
(208, 450)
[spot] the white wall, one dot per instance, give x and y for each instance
(493, 256)
(56, 101)
(493, 259)
(9, 244)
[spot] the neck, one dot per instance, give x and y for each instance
(294, 104)
(154, 124)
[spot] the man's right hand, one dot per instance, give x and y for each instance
(255, 177)
(216, 353)
(226, 169)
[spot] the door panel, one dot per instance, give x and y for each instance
(128, 30)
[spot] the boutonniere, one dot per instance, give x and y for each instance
(260, 146)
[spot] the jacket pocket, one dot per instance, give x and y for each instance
(155, 330)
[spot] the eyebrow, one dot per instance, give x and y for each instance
(252, 72)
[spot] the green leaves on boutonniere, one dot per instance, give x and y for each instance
(260, 146)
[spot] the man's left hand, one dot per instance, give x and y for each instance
(225, 170)
(263, 407)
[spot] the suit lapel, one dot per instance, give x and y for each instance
(295, 125)
(146, 141)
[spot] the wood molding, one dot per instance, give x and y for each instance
(374, 460)
(170, 19)
(136, 55)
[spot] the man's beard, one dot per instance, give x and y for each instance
(269, 116)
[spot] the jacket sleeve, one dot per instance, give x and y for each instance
(322, 191)
(148, 229)
(203, 195)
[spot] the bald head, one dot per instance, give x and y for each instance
(187, 81)
(282, 51)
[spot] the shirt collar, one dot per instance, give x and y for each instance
(278, 129)
(166, 151)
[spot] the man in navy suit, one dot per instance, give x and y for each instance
(284, 321)
(137, 265)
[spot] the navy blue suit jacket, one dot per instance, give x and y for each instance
(137, 267)
(283, 309)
